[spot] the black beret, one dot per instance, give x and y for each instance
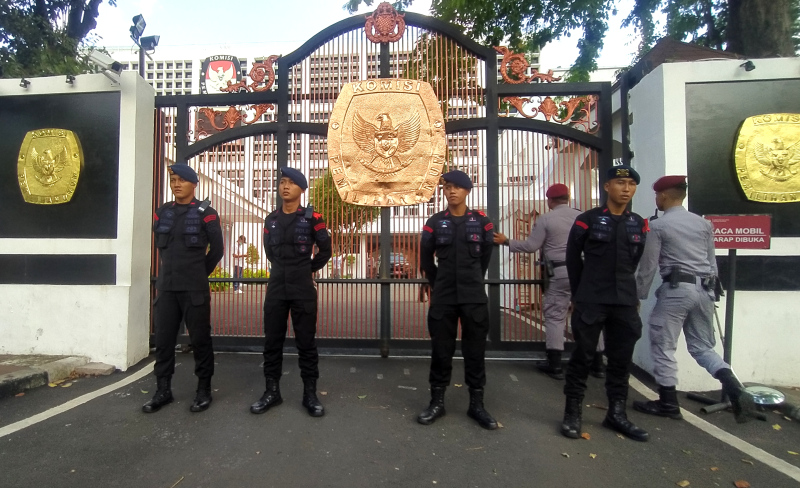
(184, 171)
(458, 178)
(623, 171)
(295, 176)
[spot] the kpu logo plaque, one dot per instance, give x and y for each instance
(49, 165)
(767, 155)
(386, 142)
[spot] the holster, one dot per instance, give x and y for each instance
(674, 276)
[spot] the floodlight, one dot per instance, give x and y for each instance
(138, 27)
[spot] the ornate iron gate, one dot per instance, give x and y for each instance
(514, 130)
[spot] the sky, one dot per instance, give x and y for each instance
(282, 26)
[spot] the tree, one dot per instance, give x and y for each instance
(43, 37)
(343, 219)
(752, 28)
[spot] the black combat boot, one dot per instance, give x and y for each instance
(617, 419)
(436, 407)
(203, 398)
(477, 412)
(553, 367)
(598, 368)
(310, 400)
(571, 426)
(162, 397)
(665, 406)
(741, 402)
(270, 398)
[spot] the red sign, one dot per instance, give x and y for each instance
(741, 231)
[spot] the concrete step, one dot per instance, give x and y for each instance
(22, 372)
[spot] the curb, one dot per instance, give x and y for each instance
(19, 381)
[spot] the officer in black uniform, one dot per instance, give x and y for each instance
(461, 239)
(290, 236)
(190, 244)
(603, 250)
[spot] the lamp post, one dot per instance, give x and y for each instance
(145, 44)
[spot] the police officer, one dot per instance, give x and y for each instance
(550, 234)
(681, 248)
(291, 234)
(603, 249)
(461, 240)
(184, 229)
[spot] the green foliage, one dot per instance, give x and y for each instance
(755, 28)
(255, 273)
(45, 37)
(343, 219)
(253, 256)
(219, 285)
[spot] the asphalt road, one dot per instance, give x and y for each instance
(369, 436)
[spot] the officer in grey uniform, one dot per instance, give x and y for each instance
(681, 248)
(550, 234)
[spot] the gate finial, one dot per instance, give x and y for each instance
(380, 26)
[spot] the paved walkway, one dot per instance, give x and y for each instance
(369, 437)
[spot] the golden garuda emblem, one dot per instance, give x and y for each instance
(49, 165)
(386, 142)
(766, 157)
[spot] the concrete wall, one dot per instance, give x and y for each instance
(765, 333)
(107, 323)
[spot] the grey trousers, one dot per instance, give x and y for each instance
(555, 305)
(690, 308)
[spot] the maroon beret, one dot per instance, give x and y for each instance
(667, 182)
(557, 190)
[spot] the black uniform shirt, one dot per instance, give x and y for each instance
(184, 264)
(463, 246)
(611, 246)
(289, 241)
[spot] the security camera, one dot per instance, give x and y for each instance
(104, 61)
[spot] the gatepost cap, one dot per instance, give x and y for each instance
(623, 171)
(557, 190)
(458, 178)
(672, 181)
(295, 176)
(184, 171)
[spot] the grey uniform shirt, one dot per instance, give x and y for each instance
(550, 233)
(678, 238)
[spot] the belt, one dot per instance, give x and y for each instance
(682, 277)
(557, 264)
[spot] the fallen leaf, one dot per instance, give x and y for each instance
(361, 397)
(787, 418)
(52, 385)
(621, 436)
(776, 427)
(586, 436)
(748, 461)
(323, 393)
(499, 425)
(792, 453)
(715, 468)
(565, 454)
(19, 394)
(144, 391)
(683, 483)
(457, 385)
(741, 484)
(258, 452)
(592, 455)
(686, 452)
(66, 385)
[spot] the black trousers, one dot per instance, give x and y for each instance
(443, 327)
(622, 327)
(193, 307)
(304, 322)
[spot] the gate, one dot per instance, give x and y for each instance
(514, 130)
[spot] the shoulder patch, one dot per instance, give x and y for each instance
(209, 218)
(582, 225)
(646, 226)
(479, 212)
(317, 215)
